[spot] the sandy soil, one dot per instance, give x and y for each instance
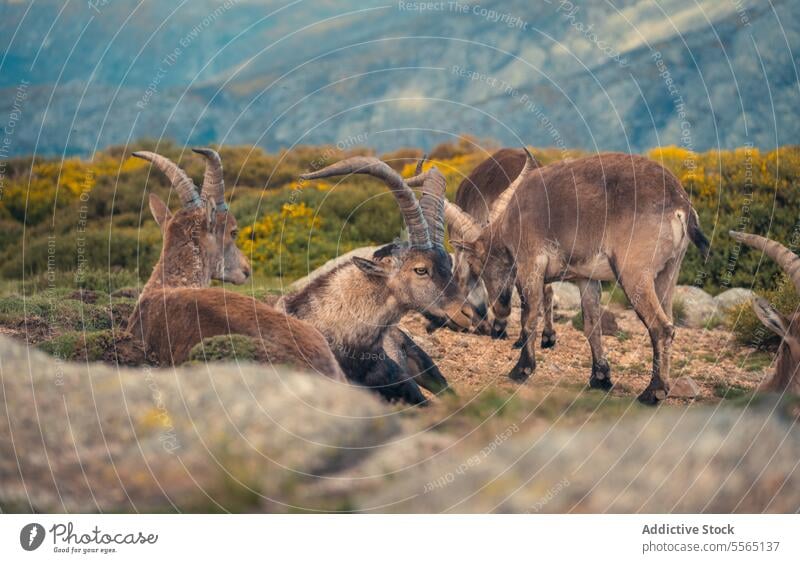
(711, 358)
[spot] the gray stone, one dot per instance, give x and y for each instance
(684, 388)
(696, 306)
(732, 298)
(566, 296)
(201, 438)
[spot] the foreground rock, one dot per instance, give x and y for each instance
(90, 437)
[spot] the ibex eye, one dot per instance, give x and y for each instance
(235, 233)
(421, 271)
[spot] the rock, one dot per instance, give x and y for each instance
(732, 298)
(126, 292)
(363, 252)
(201, 438)
(684, 388)
(566, 296)
(692, 307)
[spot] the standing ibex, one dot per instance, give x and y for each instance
(601, 218)
(177, 309)
(475, 196)
(785, 377)
(357, 305)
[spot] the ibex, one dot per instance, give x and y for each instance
(609, 217)
(357, 305)
(176, 309)
(784, 378)
(476, 196)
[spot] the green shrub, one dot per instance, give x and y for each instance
(106, 345)
(230, 348)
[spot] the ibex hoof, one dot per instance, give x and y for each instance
(548, 339)
(499, 333)
(523, 370)
(652, 396)
(601, 376)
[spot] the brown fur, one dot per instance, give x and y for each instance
(609, 217)
(176, 310)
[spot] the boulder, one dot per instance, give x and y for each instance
(608, 322)
(201, 438)
(692, 307)
(684, 388)
(732, 298)
(363, 252)
(566, 296)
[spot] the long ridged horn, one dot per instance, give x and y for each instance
(785, 258)
(501, 204)
(410, 208)
(179, 180)
(461, 224)
(213, 183)
(433, 186)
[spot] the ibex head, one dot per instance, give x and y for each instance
(417, 273)
(203, 232)
(478, 256)
(788, 328)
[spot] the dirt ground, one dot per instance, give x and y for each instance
(721, 367)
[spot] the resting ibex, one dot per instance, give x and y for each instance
(177, 309)
(357, 305)
(785, 377)
(475, 196)
(601, 218)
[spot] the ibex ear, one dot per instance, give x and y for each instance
(371, 268)
(159, 210)
(771, 318)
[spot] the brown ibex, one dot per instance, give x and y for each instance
(476, 195)
(784, 378)
(608, 217)
(176, 309)
(357, 305)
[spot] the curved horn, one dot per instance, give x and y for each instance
(464, 226)
(433, 185)
(213, 183)
(179, 180)
(786, 259)
(409, 206)
(501, 204)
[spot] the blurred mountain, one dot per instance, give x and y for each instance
(618, 75)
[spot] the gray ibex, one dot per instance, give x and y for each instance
(785, 377)
(357, 305)
(476, 196)
(609, 217)
(177, 309)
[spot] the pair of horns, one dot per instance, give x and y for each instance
(424, 218)
(213, 184)
(465, 227)
(785, 258)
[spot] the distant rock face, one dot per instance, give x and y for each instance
(695, 305)
(732, 298)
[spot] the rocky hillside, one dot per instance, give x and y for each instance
(625, 75)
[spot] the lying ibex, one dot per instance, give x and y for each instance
(476, 196)
(785, 377)
(177, 309)
(357, 305)
(601, 218)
